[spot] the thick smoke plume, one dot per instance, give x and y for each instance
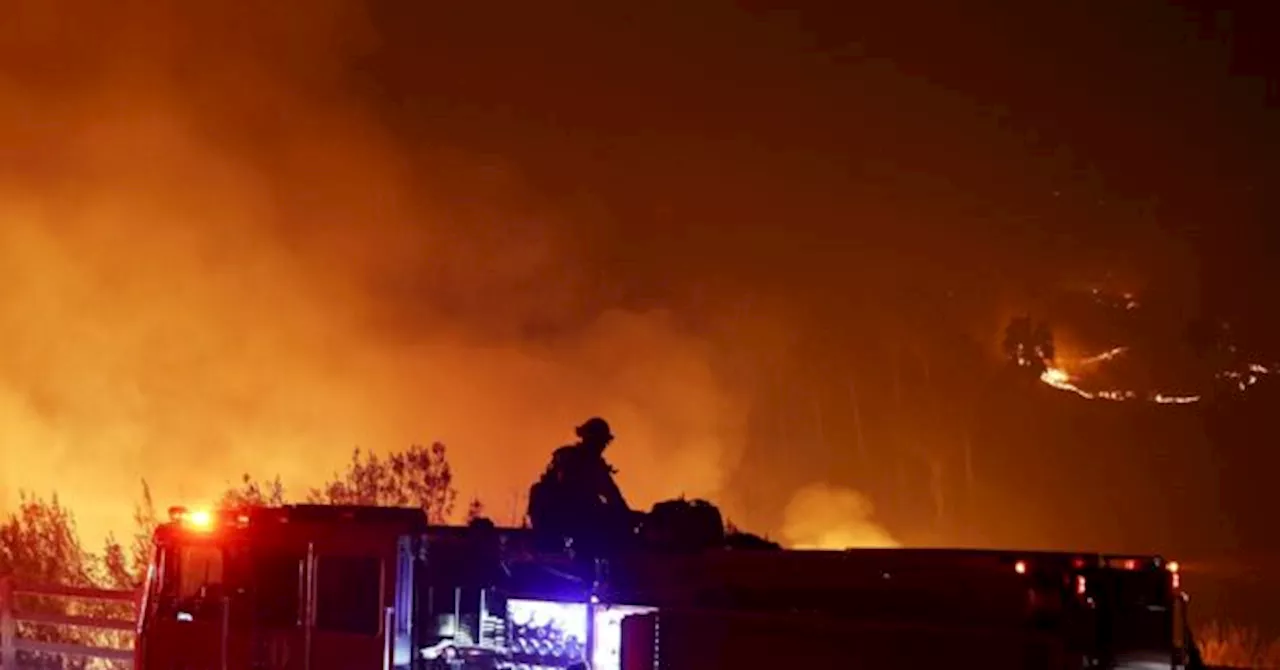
(214, 259)
(823, 516)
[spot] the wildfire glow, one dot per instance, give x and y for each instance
(1065, 376)
(1058, 378)
(826, 517)
(1248, 377)
(250, 271)
(1104, 356)
(1062, 380)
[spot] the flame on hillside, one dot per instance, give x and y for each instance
(1245, 378)
(1061, 379)
(1105, 356)
(1068, 373)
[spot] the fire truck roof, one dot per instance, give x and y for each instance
(404, 519)
(409, 516)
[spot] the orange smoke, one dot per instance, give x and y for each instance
(213, 259)
(822, 516)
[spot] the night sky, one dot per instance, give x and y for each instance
(1128, 136)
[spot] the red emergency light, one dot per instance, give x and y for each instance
(201, 519)
(1126, 563)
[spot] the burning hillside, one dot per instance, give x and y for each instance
(1110, 374)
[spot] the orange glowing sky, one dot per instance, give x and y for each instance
(201, 277)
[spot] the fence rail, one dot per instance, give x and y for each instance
(12, 614)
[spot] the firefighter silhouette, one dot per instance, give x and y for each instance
(577, 498)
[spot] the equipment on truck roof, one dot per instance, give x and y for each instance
(576, 503)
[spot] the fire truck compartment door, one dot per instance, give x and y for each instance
(277, 638)
(695, 640)
(347, 600)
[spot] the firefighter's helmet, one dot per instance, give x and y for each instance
(595, 430)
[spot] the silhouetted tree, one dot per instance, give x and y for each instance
(251, 492)
(144, 521)
(475, 510)
(39, 544)
(117, 568)
(417, 477)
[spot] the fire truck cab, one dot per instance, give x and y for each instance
(282, 588)
(312, 587)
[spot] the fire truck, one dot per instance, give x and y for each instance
(363, 588)
(879, 607)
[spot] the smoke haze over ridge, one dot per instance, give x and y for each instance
(214, 259)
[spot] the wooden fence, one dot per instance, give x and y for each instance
(12, 614)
